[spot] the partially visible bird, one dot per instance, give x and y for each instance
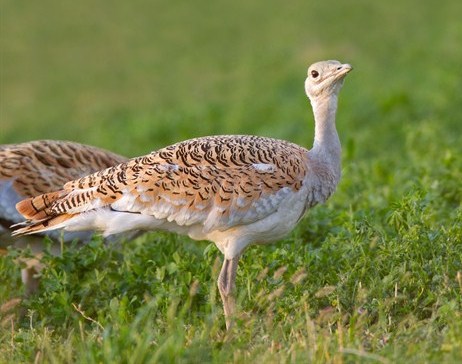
(233, 190)
(37, 167)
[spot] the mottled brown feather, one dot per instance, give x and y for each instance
(41, 166)
(45, 165)
(228, 172)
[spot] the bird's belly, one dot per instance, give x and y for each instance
(269, 229)
(231, 241)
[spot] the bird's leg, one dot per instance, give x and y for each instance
(226, 286)
(30, 274)
(30, 281)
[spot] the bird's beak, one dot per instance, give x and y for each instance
(341, 71)
(344, 69)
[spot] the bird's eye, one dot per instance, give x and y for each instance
(314, 74)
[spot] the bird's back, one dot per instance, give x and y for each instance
(33, 168)
(216, 182)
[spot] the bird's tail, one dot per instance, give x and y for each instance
(40, 217)
(39, 207)
(36, 226)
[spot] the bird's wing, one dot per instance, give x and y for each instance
(33, 168)
(218, 182)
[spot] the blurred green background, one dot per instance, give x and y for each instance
(135, 76)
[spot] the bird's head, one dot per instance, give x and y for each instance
(325, 78)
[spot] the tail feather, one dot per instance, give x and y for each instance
(38, 212)
(49, 223)
(38, 208)
(50, 211)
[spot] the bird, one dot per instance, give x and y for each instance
(233, 190)
(36, 167)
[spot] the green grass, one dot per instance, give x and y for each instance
(375, 275)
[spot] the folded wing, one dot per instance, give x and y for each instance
(217, 182)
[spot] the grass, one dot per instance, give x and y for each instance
(373, 276)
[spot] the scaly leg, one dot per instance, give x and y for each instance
(226, 286)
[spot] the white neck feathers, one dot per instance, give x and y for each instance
(326, 147)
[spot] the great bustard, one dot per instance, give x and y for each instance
(29, 169)
(233, 190)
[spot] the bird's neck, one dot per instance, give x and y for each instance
(326, 146)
